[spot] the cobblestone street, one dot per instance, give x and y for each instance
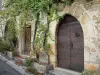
(7, 70)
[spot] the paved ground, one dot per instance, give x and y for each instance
(6, 69)
(60, 71)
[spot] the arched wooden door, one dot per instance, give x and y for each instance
(70, 44)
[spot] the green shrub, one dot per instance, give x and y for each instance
(15, 53)
(28, 62)
(32, 70)
(90, 72)
(4, 45)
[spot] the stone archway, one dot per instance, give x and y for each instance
(87, 20)
(70, 44)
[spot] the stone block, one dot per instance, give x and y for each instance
(9, 54)
(54, 64)
(53, 52)
(52, 58)
(84, 19)
(91, 66)
(86, 55)
(72, 9)
(42, 68)
(65, 10)
(53, 47)
(93, 57)
(78, 12)
(43, 58)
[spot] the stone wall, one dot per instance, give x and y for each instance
(2, 27)
(88, 14)
(21, 36)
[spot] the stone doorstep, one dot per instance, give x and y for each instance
(11, 63)
(60, 71)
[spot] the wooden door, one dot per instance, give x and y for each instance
(27, 40)
(77, 48)
(63, 47)
(70, 45)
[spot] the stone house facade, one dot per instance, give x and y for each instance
(87, 17)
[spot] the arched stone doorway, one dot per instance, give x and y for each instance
(70, 44)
